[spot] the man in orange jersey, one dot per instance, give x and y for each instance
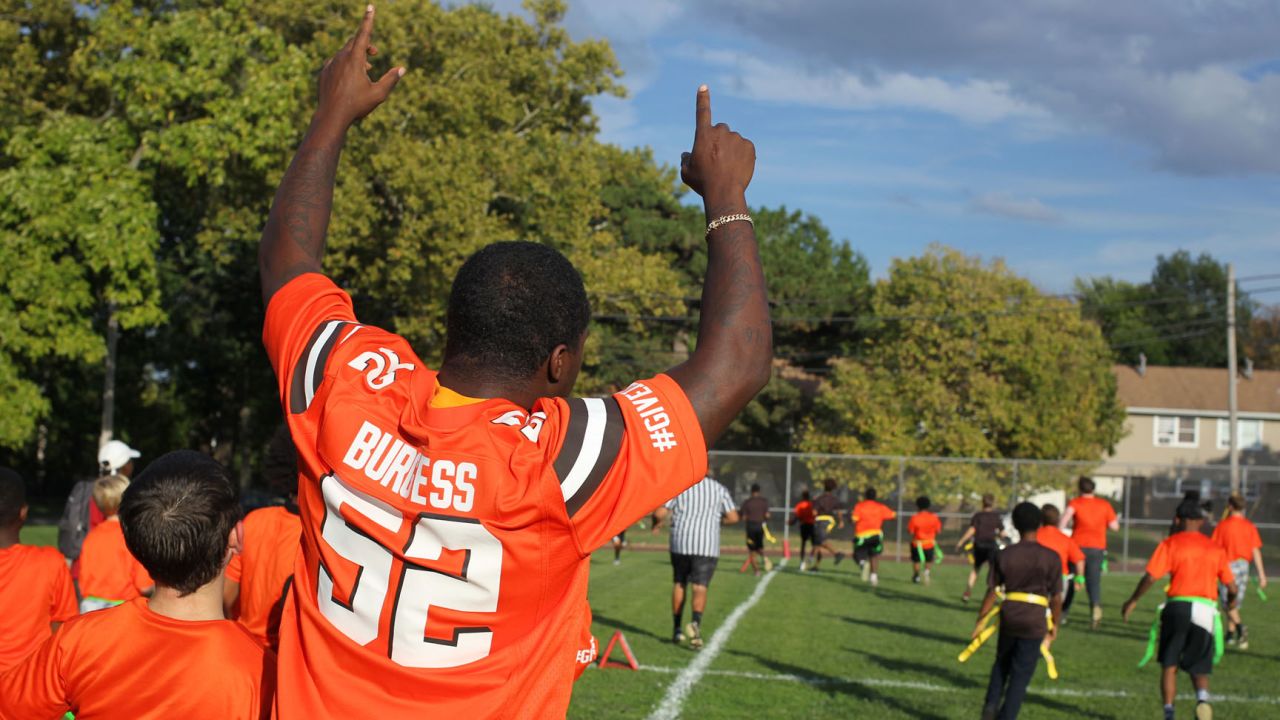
(1190, 628)
(868, 534)
(1090, 517)
(259, 575)
(1240, 539)
(1053, 538)
(804, 516)
(109, 573)
(172, 655)
(36, 593)
(924, 526)
(448, 516)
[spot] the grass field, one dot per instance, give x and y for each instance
(828, 646)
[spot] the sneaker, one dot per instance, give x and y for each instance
(866, 570)
(803, 567)
(1242, 638)
(839, 557)
(677, 637)
(768, 564)
(965, 596)
(915, 579)
(926, 577)
(1204, 711)
(695, 635)
(1097, 617)
(875, 580)
(617, 561)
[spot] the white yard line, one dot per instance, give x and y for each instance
(687, 677)
(917, 685)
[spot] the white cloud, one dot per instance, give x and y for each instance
(1004, 205)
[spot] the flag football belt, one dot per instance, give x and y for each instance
(968, 551)
(986, 630)
(937, 551)
(828, 519)
(769, 536)
(1153, 639)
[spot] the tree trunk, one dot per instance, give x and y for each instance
(109, 379)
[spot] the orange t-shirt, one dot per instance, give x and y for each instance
(107, 569)
(263, 566)
(924, 526)
(35, 590)
(1063, 544)
(1089, 526)
(1238, 536)
(1197, 564)
(129, 662)
(445, 550)
(805, 514)
(869, 516)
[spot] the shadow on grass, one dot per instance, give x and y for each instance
(949, 677)
(833, 685)
(626, 627)
(957, 640)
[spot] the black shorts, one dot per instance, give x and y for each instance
(930, 554)
(868, 547)
(806, 532)
(983, 554)
(820, 532)
(755, 536)
(696, 569)
(1182, 642)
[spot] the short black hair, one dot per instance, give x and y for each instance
(828, 484)
(511, 304)
(1086, 484)
(1189, 510)
(755, 487)
(13, 496)
(804, 494)
(1026, 517)
(280, 465)
(869, 493)
(177, 517)
(1050, 514)
(922, 502)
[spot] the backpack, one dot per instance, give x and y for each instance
(74, 525)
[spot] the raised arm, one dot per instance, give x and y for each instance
(731, 362)
(293, 239)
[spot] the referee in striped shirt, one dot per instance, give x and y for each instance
(696, 516)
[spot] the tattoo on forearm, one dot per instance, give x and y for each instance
(306, 197)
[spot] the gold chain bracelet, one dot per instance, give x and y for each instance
(728, 219)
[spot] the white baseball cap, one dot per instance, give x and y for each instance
(115, 455)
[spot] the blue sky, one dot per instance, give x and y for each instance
(1069, 138)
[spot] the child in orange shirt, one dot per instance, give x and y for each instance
(173, 655)
(259, 574)
(924, 527)
(109, 574)
(36, 593)
(868, 518)
(1240, 539)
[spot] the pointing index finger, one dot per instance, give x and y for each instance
(703, 115)
(361, 41)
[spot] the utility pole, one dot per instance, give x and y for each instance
(1232, 408)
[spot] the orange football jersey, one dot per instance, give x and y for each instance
(924, 526)
(1238, 536)
(107, 569)
(130, 662)
(1196, 563)
(445, 550)
(35, 591)
(263, 567)
(869, 517)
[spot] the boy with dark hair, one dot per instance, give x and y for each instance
(1240, 539)
(986, 527)
(1190, 627)
(1090, 517)
(1063, 544)
(755, 511)
(868, 534)
(1032, 580)
(180, 518)
(827, 517)
(804, 516)
(924, 527)
(36, 593)
(260, 574)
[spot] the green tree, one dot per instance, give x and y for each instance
(969, 360)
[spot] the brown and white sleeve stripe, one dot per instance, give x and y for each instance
(308, 373)
(591, 445)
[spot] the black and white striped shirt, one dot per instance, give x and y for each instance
(695, 518)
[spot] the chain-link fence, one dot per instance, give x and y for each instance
(1144, 495)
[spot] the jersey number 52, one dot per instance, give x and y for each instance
(417, 587)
